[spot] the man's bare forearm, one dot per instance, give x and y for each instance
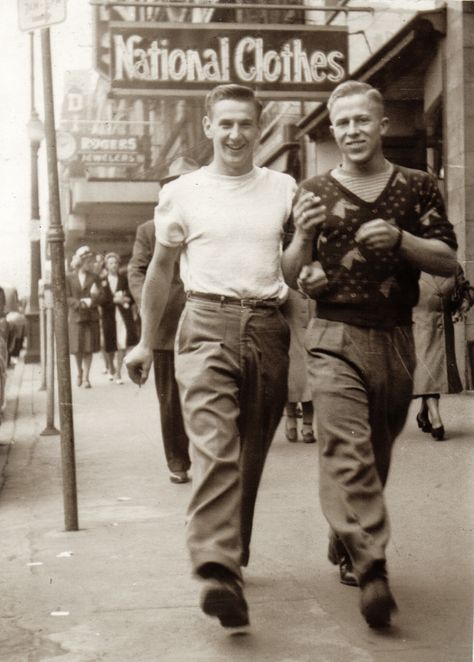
(430, 255)
(296, 255)
(155, 294)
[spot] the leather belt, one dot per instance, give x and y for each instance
(234, 301)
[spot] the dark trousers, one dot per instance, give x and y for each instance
(362, 381)
(175, 440)
(232, 368)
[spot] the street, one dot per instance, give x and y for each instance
(120, 588)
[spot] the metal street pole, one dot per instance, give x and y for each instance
(42, 324)
(58, 283)
(35, 134)
(50, 428)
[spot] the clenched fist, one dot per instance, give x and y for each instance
(312, 279)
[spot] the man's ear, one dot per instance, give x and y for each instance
(384, 122)
(206, 125)
(331, 129)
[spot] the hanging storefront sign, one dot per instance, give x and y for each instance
(109, 150)
(279, 62)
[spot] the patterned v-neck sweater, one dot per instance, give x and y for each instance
(374, 288)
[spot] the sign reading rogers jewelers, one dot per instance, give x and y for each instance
(189, 59)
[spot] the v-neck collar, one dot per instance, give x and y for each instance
(361, 201)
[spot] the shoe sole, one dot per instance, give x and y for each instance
(178, 481)
(348, 582)
(230, 609)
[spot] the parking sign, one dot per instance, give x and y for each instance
(34, 14)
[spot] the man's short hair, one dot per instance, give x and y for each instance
(234, 92)
(350, 87)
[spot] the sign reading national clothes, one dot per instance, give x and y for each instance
(279, 62)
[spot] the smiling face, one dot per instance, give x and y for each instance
(357, 125)
(234, 129)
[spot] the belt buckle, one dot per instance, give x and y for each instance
(249, 303)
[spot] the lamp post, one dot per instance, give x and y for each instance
(35, 134)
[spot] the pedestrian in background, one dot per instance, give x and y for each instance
(383, 224)
(298, 310)
(4, 334)
(83, 297)
(225, 221)
(16, 322)
(117, 320)
(101, 271)
(441, 301)
(175, 439)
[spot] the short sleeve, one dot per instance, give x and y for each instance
(433, 222)
(170, 227)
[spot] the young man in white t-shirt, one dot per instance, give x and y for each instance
(226, 220)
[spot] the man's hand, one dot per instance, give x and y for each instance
(312, 279)
(138, 363)
(308, 214)
(378, 235)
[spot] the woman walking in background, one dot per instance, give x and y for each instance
(101, 272)
(442, 301)
(298, 310)
(83, 297)
(117, 319)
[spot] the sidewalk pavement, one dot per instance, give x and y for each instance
(119, 589)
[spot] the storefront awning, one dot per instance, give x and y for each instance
(408, 50)
(120, 195)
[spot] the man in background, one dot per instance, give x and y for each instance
(175, 440)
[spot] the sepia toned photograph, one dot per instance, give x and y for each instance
(237, 331)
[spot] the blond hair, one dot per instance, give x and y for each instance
(351, 87)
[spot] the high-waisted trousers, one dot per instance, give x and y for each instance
(362, 381)
(232, 368)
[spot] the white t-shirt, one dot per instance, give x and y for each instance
(230, 229)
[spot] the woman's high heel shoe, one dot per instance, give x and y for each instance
(424, 422)
(438, 433)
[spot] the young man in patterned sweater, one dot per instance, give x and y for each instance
(361, 260)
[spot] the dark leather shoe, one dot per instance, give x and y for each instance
(223, 598)
(346, 572)
(338, 555)
(423, 422)
(438, 433)
(377, 602)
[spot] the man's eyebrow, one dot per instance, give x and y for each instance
(345, 118)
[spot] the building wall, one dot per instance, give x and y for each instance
(458, 77)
